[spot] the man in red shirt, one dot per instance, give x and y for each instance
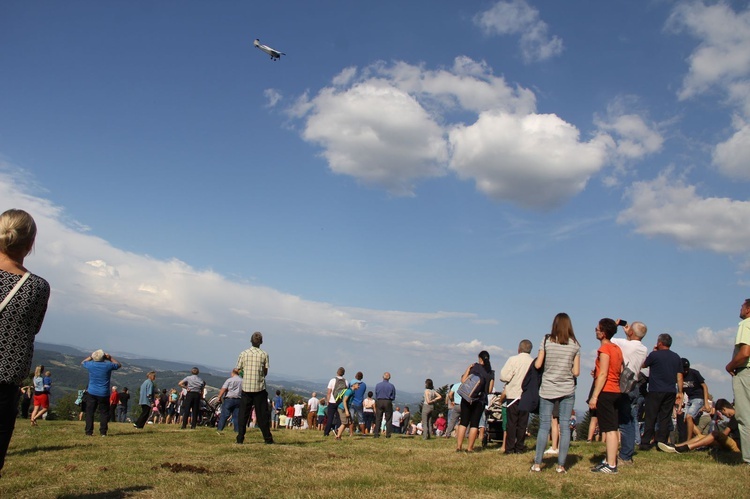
(114, 399)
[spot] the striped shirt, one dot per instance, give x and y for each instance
(557, 378)
(253, 364)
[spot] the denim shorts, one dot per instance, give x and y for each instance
(357, 413)
(693, 407)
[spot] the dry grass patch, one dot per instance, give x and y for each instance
(57, 460)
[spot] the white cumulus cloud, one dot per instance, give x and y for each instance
(535, 161)
(634, 137)
(377, 133)
(391, 125)
(669, 208)
(732, 157)
(705, 337)
(723, 55)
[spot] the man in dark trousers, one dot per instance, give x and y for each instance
(512, 375)
(335, 388)
(252, 365)
(664, 390)
(145, 400)
(385, 394)
(122, 405)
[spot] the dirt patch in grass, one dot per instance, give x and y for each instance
(183, 468)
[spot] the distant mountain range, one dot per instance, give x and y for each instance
(68, 376)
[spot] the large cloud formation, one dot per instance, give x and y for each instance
(146, 304)
(392, 125)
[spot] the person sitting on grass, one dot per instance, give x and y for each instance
(728, 438)
(344, 414)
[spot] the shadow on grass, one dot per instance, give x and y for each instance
(44, 448)
(571, 461)
(725, 457)
(110, 494)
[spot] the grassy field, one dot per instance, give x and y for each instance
(57, 460)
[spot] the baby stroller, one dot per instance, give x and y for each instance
(210, 411)
(493, 416)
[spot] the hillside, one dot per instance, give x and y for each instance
(68, 376)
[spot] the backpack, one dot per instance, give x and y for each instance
(339, 388)
(471, 389)
(628, 380)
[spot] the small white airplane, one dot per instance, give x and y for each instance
(275, 54)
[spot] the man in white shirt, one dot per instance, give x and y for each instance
(512, 375)
(396, 421)
(312, 411)
(634, 352)
(298, 407)
(335, 386)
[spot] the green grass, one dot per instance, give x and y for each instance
(57, 460)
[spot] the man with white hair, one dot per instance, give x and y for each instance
(634, 352)
(100, 366)
(512, 374)
(312, 411)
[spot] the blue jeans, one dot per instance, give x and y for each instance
(230, 406)
(121, 413)
(545, 424)
(628, 419)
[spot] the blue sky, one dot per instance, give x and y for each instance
(414, 182)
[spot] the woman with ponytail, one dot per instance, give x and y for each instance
(471, 412)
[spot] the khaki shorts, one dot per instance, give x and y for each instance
(344, 419)
(727, 442)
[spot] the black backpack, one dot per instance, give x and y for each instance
(338, 389)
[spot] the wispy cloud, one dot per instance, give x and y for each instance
(706, 337)
(518, 17)
(273, 97)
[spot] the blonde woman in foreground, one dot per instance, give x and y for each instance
(20, 319)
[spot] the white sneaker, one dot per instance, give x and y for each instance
(666, 448)
(551, 452)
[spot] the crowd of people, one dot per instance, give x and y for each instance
(626, 377)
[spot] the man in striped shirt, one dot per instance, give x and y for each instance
(253, 367)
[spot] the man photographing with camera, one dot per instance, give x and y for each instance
(100, 366)
(634, 352)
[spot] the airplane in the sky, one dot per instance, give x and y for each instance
(275, 54)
